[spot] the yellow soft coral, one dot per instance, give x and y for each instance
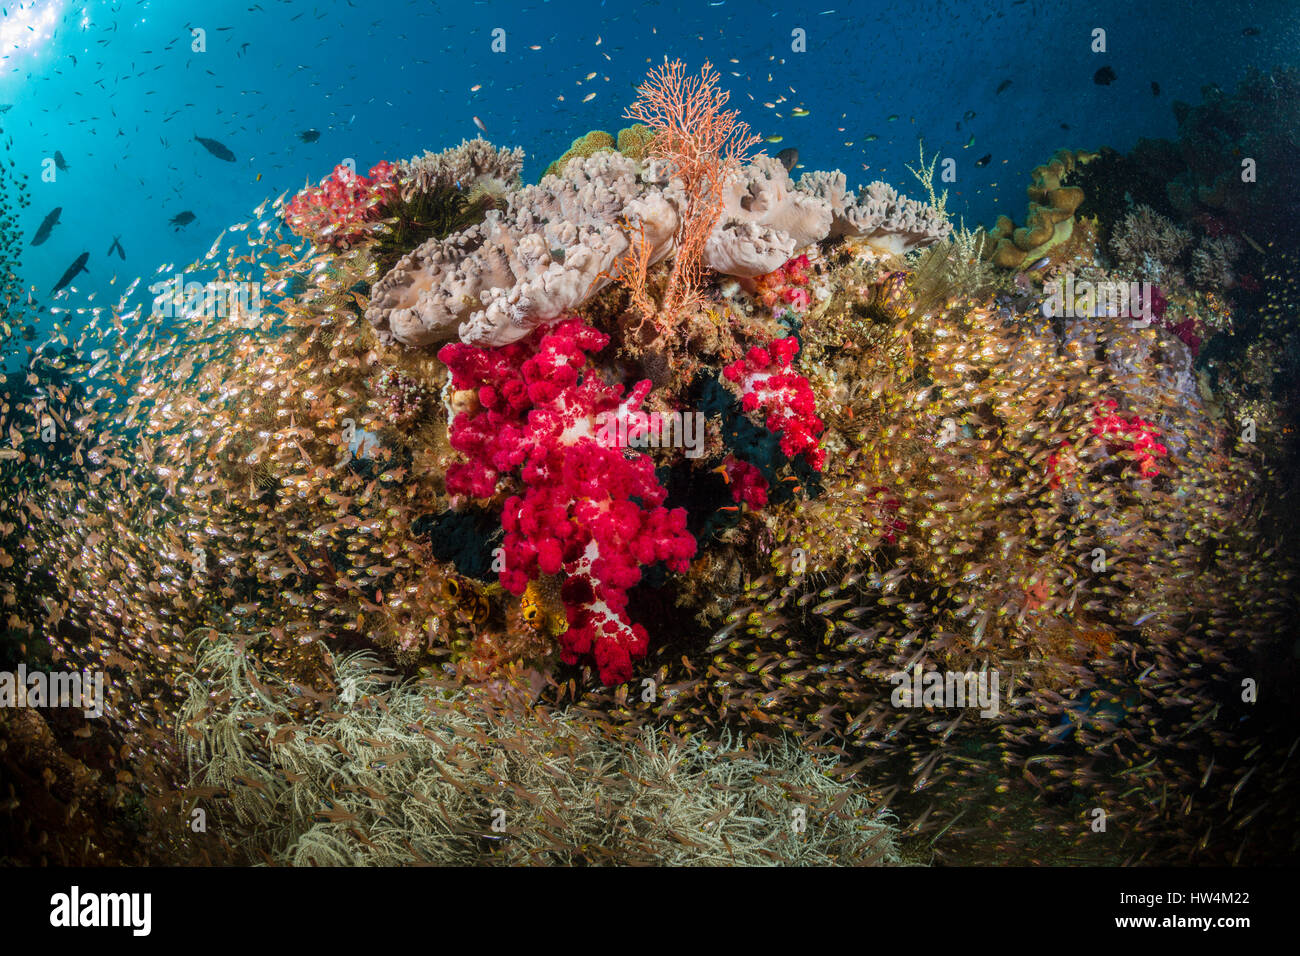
(1051, 213)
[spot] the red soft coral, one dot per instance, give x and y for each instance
(337, 211)
(1133, 435)
(768, 384)
(589, 510)
(747, 483)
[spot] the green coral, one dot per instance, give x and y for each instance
(633, 142)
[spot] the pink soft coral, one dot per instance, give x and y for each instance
(589, 510)
(747, 483)
(337, 211)
(786, 285)
(768, 384)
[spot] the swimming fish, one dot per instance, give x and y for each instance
(479, 123)
(1104, 77)
(1002, 86)
(968, 115)
(47, 224)
(216, 149)
(78, 266)
(774, 138)
(309, 135)
(60, 162)
(1155, 88)
(117, 244)
(182, 219)
(800, 112)
(788, 157)
(984, 160)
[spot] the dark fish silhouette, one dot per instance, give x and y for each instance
(1251, 32)
(970, 114)
(59, 161)
(1002, 86)
(6, 107)
(117, 244)
(1104, 77)
(309, 135)
(78, 266)
(216, 149)
(788, 157)
(1155, 88)
(984, 160)
(182, 219)
(47, 224)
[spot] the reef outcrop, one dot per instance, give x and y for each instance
(560, 242)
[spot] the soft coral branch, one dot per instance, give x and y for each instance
(588, 510)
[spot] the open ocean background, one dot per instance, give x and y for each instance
(118, 90)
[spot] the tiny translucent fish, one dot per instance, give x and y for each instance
(591, 75)
(476, 87)
(589, 97)
(479, 123)
(800, 111)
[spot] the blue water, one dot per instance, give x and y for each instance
(385, 80)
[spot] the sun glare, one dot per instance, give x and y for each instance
(25, 27)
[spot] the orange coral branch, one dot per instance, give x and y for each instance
(705, 144)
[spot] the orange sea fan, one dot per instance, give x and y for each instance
(705, 144)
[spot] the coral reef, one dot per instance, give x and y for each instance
(908, 463)
(886, 220)
(606, 216)
(767, 385)
(1212, 263)
(591, 142)
(1204, 169)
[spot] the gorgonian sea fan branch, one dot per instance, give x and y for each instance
(705, 144)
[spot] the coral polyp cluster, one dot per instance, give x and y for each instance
(339, 210)
(782, 396)
(586, 510)
(1132, 435)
